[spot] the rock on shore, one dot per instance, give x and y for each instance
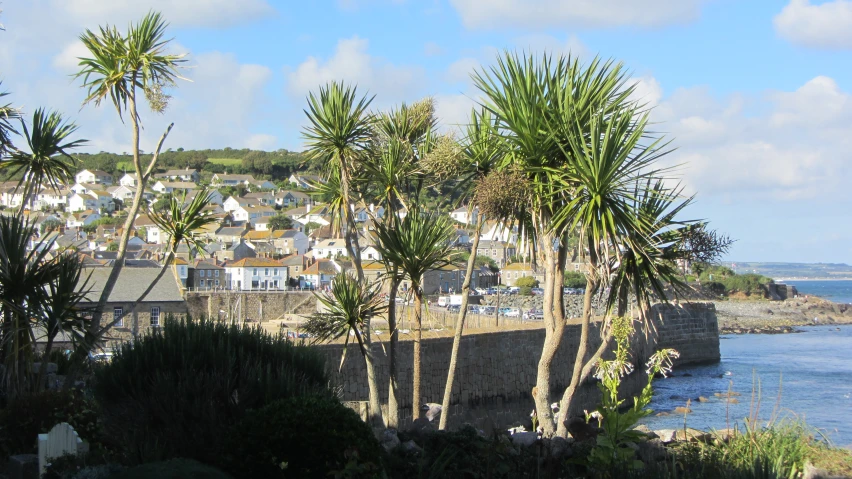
(774, 317)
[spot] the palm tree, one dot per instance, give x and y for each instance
(338, 135)
(48, 162)
(178, 223)
(34, 290)
(481, 151)
(543, 109)
(7, 114)
(416, 244)
(350, 305)
(608, 165)
(118, 67)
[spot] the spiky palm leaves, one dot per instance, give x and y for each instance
(348, 307)
(35, 290)
(7, 114)
(181, 219)
(339, 134)
(121, 64)
(48, 162)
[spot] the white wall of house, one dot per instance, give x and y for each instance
(257, 278)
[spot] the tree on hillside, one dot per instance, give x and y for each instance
(119, 66)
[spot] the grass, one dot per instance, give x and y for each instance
(226, 161)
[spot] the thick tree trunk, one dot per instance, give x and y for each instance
(554, 325)
(392, 419)
(454, 355)
(351, 236)
(418, 335)
(580, 362)
(375, 406)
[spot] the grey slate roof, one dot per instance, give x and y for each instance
(131, 283)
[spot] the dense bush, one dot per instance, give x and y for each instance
(526, 281)
(23, 419)
(179, 391)
(749, 284)
(303, 437)
(574, 279)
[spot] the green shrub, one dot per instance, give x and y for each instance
(527, 281)
(716, 287)
(525, 291)
(749, 284)
(574, 279)
(23, 419)
(172, 469)
(179, 391)
(303, 437)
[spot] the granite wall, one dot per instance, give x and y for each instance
(249, 305)
(497, 370)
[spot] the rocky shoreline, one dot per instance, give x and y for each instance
(779, 317)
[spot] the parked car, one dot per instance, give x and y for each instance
(537, 291)
(473, 308)
(454, 308)
(503, 311)
(514, 290)
(487, 310)
(534, 314)
(512, 313)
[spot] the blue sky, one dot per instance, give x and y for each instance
(755, 94)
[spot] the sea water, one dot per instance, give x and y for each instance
(839, 291)
(805, 375)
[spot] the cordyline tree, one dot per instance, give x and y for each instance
(120, 66)
(394, 176)
(581, 145)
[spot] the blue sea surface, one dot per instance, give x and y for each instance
(833, 290)
(805, 375)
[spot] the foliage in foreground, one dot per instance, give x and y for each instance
(179, 391)
(304, 437)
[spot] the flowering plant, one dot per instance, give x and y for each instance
(611, 448)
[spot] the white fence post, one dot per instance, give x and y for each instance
(61, 440)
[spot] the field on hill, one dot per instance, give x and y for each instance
(226, 161)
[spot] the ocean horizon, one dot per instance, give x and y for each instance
(837, 291)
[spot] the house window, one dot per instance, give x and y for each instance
(275, 272)
(217, 283)
(118, 316)
(266, 272)
(201, 283)
(155, 316)
(255, 271)
(201, 273)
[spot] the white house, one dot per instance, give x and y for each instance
(81, 188)
(174, 187)
(319, 274)
(464, 216)
(189, 175)
(82, 202)
(292, 242)
(81, 218)
(362, 214)
(234, 203)
(215, 197)
(258, 216)
(230, 180)
(497, 231)
(256, 274)
(306, 182)
(50, 199)
(93, 176)
(261, 184)
(289, 199)
(330, 248)
(129, 179)
(317, 214)
(370, 253)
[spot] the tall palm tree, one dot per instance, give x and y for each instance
(543, 108)
(481, 151)
(416, 244)
(338, 135)
(119, 66)
(178, 222)
(48, 163)
(349, 306)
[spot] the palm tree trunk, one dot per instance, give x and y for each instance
(554, 326)
(351, 236)
(375, 406)
(454, 355)
(392, 419)
(45, 358)
(418, 335)
(582, 367)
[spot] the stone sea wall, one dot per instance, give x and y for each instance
(497, 370)
(253, 306)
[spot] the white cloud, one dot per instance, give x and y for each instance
(776, 146)
(353, 64)
(67, 61)
(195, 13)
(460, 70)
(432, 49)
(824, 25)
(453, 111)
(540, 43)
(647, 90)
(538, 14)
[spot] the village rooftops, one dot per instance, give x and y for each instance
(321, 266)
(254, 263)
(131, 283)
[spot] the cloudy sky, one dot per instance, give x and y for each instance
(754, 94)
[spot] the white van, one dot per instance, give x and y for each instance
(443, 301)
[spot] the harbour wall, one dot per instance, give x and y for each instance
(497, 370)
